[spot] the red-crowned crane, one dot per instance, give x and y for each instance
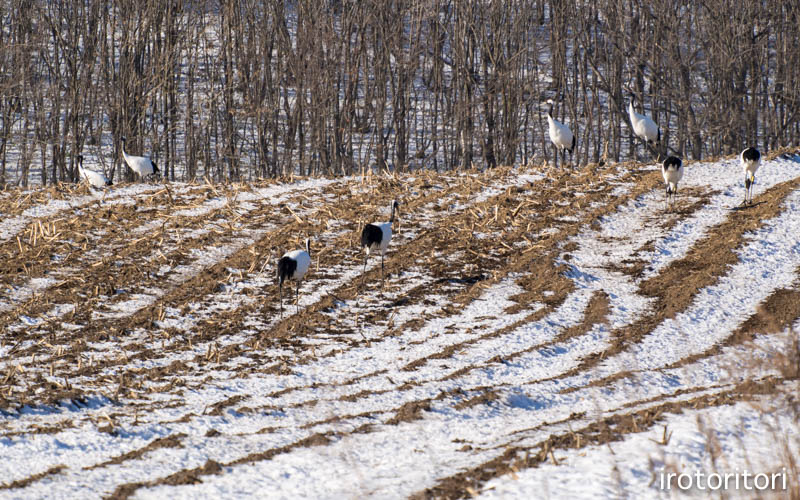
(560, 135)
(293, 266)
(643, 126)
(95, 179)
(672, 171)
(751, 160)
(142, 165)
(376, 236)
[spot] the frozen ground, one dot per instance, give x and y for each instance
(536, 333)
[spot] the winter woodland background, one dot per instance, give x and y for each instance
(242, 89)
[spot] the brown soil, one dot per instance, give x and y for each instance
(460, 247)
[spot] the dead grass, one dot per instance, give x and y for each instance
(608, 430)
(525, 233)
(675, 287)
(21, 483)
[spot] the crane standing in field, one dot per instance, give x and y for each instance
(376, 236)
(643, 126)
(672, 171)
(95, 179)
(560, 135)
(751, 160)
(293, 266)
(142, 165)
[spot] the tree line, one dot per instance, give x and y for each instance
(244, 89)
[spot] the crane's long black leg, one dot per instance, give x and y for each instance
(382, 275)
(280, 294)
(297, 297)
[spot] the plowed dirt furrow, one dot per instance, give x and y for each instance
(609, 430)
(593, 215)
(106, 273)
(107, 225)
(45, 205)
(21, 483)
(778, 312)
(447, 222)
(516, 306)
(145, 316)
(675, 287)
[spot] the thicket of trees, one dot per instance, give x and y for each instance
(238, 89)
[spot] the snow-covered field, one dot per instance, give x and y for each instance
(540, 334)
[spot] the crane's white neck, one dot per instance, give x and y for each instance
(124, 154)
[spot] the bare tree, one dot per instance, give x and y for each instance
(239, 89)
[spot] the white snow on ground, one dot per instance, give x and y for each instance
(706, 445)
(519, 364)
(16, 294)
(11, 226)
